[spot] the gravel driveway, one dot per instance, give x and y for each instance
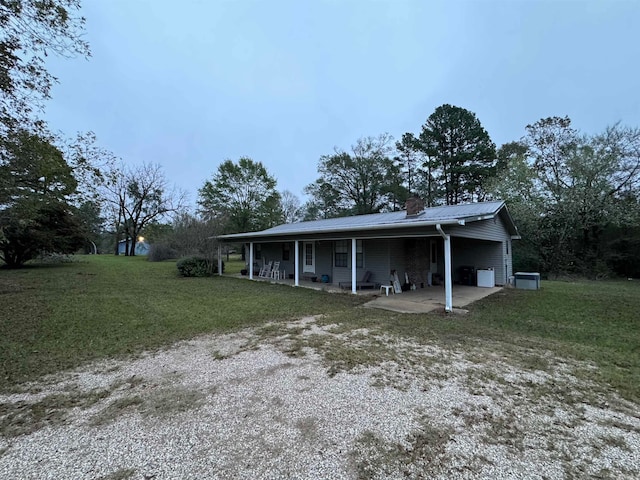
(288, 405)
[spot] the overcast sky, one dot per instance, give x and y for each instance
(188, 84)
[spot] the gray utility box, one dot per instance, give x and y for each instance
(527, 280)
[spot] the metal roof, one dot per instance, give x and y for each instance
(446, 214)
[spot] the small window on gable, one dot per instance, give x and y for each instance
(286, 251)
(508, 242)
(341, 253)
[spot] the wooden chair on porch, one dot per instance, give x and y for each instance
(265, 271)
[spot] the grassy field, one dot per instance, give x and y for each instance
(234, 264)
(61, 316)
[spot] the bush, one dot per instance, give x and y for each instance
(56, 258)
(197, 266)
(194, 267)
(159, 252)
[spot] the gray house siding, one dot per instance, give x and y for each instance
(495, 255)
(269, 252)
(477, 254)
(490, 229)
(376, 260)
(396, 256)
(324, 263)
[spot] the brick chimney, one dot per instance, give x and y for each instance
(415, 206)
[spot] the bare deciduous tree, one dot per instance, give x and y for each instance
(137, 197)
(291, 207)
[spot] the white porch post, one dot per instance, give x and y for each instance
(447, 275)
(448, 284)
(297, 264)
(219, 259)
(353, 265)
(251, 260)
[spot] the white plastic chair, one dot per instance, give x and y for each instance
(265, 272)
(275, 272)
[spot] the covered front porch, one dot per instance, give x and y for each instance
(382, 260)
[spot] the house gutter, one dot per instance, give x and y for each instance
(448, 303)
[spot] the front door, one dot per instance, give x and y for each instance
(309, 257)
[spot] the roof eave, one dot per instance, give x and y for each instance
(360, 228)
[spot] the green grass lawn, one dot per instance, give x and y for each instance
(60, 316)
(234, 263)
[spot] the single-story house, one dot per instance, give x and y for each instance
(446, 242)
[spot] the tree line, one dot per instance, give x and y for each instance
(574, 197)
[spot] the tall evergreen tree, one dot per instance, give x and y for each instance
(462, 150)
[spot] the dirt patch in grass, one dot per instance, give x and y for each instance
(116, 409)
(422, 453)
(23, 417)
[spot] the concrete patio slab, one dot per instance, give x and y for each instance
(425, 300)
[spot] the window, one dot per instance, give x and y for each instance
(359, 254)
(341, 253)
(286, 249)
(258, 251)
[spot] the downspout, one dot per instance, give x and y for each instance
(447, 270)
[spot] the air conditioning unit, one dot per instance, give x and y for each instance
(527, 280)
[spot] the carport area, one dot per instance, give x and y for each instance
(425, 300)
